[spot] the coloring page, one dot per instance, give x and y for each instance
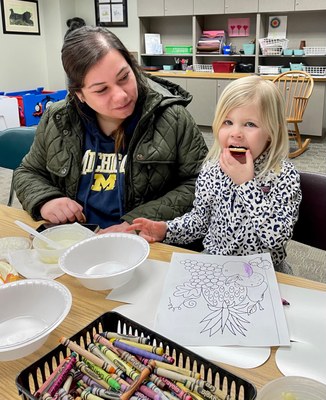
(212, 300)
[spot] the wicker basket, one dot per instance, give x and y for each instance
(272, 47)
(314, 51)
(315, 70)
(202, 68)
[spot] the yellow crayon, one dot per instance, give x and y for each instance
(180, 370)
(194, 395)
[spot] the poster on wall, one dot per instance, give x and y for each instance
(238, 27)
(111, 12)
(277, 27)
(20, 17)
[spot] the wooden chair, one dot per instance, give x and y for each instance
(310, 228)
(14, 144)
(296, 87)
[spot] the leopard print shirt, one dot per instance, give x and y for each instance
(257, 216)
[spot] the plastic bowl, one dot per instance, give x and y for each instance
(67, 235)
(293, 388)
(105, 261)
(31, 309)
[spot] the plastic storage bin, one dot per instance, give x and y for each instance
(178, 49)
(32, 377)
(224, 66)
(9, 117)
(32, 103)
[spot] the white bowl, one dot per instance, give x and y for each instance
(293, 387)
(67, 235)
(105, 261)
(30, 310)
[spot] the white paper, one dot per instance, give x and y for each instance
(307, 326)
(242, 357)
(303, 359)
(217, 300)
(153, 43)
(277, 27)
(27, 263)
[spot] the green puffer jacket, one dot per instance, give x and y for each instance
(164, 157)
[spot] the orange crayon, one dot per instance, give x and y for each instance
(143, 375)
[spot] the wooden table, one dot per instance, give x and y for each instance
(87, 305)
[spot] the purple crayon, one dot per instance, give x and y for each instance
(143, 353)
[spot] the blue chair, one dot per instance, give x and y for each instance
(14, 144)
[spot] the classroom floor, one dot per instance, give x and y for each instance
(306, 261)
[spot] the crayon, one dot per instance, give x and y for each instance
(129, 358)
(156, 389)
(176, 390)
(175, 376)
(285, 302)
(103, 374)
(46, 396)
(87, 371)
(194, 395)
(115, 335)
(61, 378)
(147, 347)
(107, 343)
(105, 394)
(143, 375)
(208, 395)
(118, 362)
(145, 390)
(180, 370)
(87, 354)
(143, 353)
(88, 381)
(87, 395)
(62, 394)
(51, 378)
(68, 382)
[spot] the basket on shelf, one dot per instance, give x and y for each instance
(315, 70)
(202, 68)
(272, 47)
(314, 51)
(269, 69)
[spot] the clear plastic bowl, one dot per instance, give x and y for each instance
(293, 388)
(67, 235)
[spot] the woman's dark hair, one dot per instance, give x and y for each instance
(84, 47)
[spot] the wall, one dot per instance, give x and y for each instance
(30, 61)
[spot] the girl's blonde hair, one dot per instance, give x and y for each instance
(242, 92)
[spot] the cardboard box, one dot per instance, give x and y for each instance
(32, 103)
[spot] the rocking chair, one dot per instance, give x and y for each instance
(296, 87)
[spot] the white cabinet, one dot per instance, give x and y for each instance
(202, 7)
(309, 5)
(179, 7)
(203, 105)
(242, 6)
(276, 5)
(158, 8)
(314, 118)
(150, 8)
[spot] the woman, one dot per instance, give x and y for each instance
(121, 145)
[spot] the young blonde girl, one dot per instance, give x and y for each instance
(247, 194)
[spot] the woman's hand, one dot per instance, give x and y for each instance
(239, 172)
(152, 231)
(62, 210)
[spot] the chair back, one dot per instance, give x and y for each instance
(296, 87)
(14, 144)
(310, 228)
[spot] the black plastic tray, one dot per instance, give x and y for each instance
(32, 377)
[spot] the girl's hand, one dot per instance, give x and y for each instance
(62, 210)
(123, 227)
(152, 231)
(237, 171)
